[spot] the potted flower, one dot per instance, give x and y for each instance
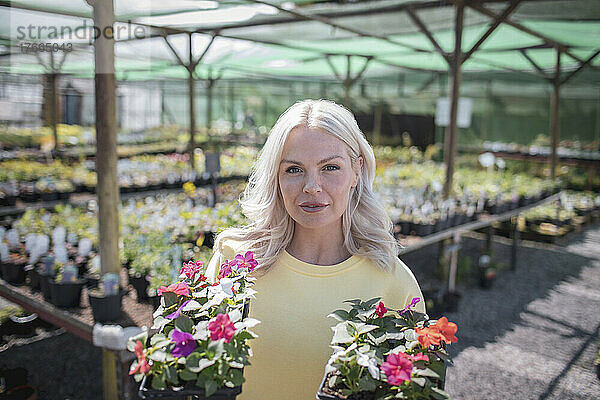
(105, 300)
(65, 288)
(381, 354)
(199, 341)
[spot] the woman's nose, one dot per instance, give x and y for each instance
(312, 184)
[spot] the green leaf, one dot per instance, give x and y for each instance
(210, 386)
(205, 363)
(169, 298)
(370, 303)
(354, 302)
(170, 374)
(142, 337)
(427, 372)
(215, 349)
(235, 376)
(419, 381)
(193, 361)
(367, 383)
(341, 334)
(158, 382)
(160, 322)
(184, 324)
(439, 394)
(340, 315)
(187, 375)
(158, 356)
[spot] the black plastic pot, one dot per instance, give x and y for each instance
(34, 277)
(598, 370)
(423, 229)
(45, 286)
(146, 392)
(106, 308)
(405, 227)
(324, 396)
(91, 281)
(140, 284)
(66, 294)
(13, 273)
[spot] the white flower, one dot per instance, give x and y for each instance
(371, 364)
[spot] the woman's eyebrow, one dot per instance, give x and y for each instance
(320, 162)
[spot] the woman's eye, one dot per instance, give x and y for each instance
(293, 170)
(331, 167)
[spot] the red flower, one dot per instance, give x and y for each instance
(180, 288)
(397, 368)
(221, 328)
(428, 336)
(380, 309)
(246, 261)
(191, 268)
(446, 329)
(142, 365)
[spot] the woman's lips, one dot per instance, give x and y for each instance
(313, 207)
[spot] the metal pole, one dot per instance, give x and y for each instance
(451, 131)
(554, 116)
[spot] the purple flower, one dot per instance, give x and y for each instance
(414, 302)
(246, 261)
(184, 343)
(176, 313)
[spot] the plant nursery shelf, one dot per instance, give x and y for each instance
(78, 321)
(413, 243)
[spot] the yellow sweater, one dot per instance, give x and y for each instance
(292, 303)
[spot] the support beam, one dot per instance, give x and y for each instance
(581, 66)
(106, 163)
(417, 21)
(455, 76)
(497, 22)
(554, 116)
(535, 65)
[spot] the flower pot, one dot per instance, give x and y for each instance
(324, 396)
(13, 272)
(140, 284)
(91, 281)
(106, 308)
(66, 294)
(34, 277)
(45, 286)
(598, 370)
(423, 229)
(146, 392)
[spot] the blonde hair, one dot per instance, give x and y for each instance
(366, 226)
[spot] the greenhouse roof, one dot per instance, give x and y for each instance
(304, 39)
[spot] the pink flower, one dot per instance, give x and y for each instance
(221, 328)
(246, 261)
(397, 368)
(416, 357)
(142, 365)
(380, 309)
(226, 269)
(191, 268)
(180, 288)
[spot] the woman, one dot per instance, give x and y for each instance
(320, 237)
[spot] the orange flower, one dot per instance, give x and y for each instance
(428, 336)
(446, 330)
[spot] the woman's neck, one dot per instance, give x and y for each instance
(319, 247)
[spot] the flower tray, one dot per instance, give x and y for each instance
(184, 393)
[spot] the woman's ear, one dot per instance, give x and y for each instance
(357, 174)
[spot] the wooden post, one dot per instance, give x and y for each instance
(190, 67)
(554, 116)
(209, 101)
(451, 131)
(232, 101)
(515, 244)
(106, 161)
(453, 262)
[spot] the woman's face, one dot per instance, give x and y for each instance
(315, 177)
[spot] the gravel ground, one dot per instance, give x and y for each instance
(532, 335)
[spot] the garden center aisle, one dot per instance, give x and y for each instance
(535, 334)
